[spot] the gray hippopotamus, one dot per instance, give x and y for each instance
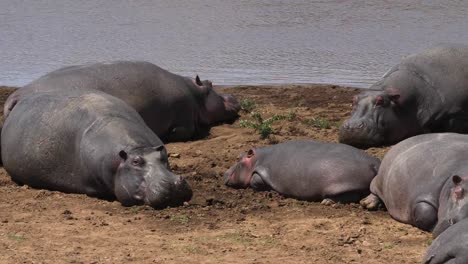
(176, 108)
(306, 170)
(425, 92)
(422, 181)
(450, 247)
(89, 142)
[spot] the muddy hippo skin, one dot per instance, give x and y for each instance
(451, 247)
(306, 170)
(176, 108)
(426, 92)
(89, 142)
(422, 181)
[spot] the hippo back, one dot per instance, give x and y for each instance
(317, 169)
(43, 136)
(416, 169)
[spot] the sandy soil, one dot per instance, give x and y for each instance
(219, 225)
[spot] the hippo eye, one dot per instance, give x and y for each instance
(137, 161)
(379, 100)
(250, 153)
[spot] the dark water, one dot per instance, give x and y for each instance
(230, 42)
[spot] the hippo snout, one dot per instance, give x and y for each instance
(359, 134)
(172, 192)
(231, 104)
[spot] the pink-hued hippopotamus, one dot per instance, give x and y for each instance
(176, 108)
(306, 170)
(426, 92)
(423, 181)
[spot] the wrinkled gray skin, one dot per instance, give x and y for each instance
(425, 92)
(422, 181)
(306, 170)
(451, 247)
(89, 142)
(176, 108)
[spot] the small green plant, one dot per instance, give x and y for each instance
(16, 237)
(183, 219)
(262, 126)
(247, 105)
(291, 115)
(318, 122)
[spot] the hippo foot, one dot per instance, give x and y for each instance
(328, 202)
(371, 202)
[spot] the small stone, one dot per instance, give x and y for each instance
(174, 155)
(67, 212)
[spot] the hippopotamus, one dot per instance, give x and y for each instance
(176, 108)
(450, 247)
(425, 92)
(306, 170)
(422, 181)
(92, 143)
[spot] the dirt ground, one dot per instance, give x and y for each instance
(219, 225)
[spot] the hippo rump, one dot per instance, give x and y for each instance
(306, 170)
(176, 108)
(422, 181)
(425, 92)
(451, 247)
(89, 142)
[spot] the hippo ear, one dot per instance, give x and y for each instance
(456, 179)
(250, 153)
(198, 81)
(123, 155)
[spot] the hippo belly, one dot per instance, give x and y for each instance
(306, 170)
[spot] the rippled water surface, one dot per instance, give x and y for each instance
(230, 42)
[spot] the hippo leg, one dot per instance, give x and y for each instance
(344, 198)
(425, 216)
(258, 184)
(371, 202)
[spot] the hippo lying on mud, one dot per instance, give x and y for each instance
(306, 170)
(89, 142)
(451, 247)
(174, 107)
(422, 181)
(426, 92)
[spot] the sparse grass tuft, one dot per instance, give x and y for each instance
(247, 105)
(183, 219)
(318, 122)
(262, 126)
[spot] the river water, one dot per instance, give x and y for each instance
(230, 42)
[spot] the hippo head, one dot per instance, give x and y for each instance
(215, 107)
(453, 204)
(375, 120)
(240, 174)
(143, 177)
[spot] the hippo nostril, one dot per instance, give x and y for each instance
(360, 125)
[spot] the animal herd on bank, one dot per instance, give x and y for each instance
(98, 129)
